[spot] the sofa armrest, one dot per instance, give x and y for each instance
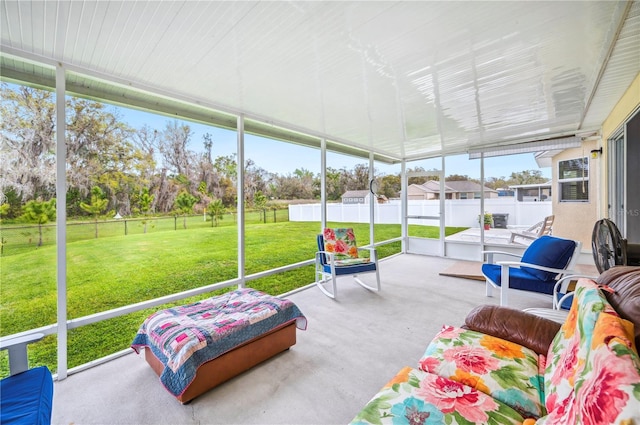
(526, 329)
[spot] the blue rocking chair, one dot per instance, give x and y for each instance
(338, 255)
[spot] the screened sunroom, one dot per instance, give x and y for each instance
(406, 93)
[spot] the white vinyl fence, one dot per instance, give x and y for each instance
(458, 213)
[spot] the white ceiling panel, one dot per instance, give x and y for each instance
(407, 79)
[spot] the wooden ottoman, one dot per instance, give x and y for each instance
(196, 347)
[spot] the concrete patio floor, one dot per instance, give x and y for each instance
(351, 348)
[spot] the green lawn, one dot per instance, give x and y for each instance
(111, 272)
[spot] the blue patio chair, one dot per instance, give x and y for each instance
(26, 396)
(541, 266)
(338, 255)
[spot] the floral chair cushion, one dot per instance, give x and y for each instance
(414, 397)
(595, 375)
(502, 369)
(342, 243)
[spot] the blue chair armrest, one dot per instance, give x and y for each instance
(533, 266)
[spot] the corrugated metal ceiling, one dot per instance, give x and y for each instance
(404, 79)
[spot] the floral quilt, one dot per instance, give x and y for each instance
(414, 397)
(502, 369)
(593, 373)
(185, 337)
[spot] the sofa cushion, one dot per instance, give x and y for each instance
(593, 370)
(502, 369)
(416, 397)
(519, 278)
(548, 251)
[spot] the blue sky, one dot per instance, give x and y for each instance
(284, 158)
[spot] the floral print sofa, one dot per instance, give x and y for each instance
(506, 366)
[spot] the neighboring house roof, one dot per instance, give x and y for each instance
(419, 187)
(463, 186)
(467, 186)
(355, 194)
(431, 186)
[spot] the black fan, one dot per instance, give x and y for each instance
(608, 247)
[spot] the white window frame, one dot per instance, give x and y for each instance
(577, 180)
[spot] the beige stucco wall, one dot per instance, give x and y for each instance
(576, 220)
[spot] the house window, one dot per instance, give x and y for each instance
(573, 177)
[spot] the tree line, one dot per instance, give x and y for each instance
(115, 168)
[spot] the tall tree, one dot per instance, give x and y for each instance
(457, 177)
(206, 173)
(227, 166)
(334, 188)
(146, 140)
(27, 142)
(173, 147)
(307, 181)
(390, 186)
(100, 152)
(496, 183)
(291, 187)
(208, 147)
(527, 177)
(225, 188)
(359, 177)
(255, 179)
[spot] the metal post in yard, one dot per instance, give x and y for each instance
(126, 231)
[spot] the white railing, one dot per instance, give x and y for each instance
(458, 212)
